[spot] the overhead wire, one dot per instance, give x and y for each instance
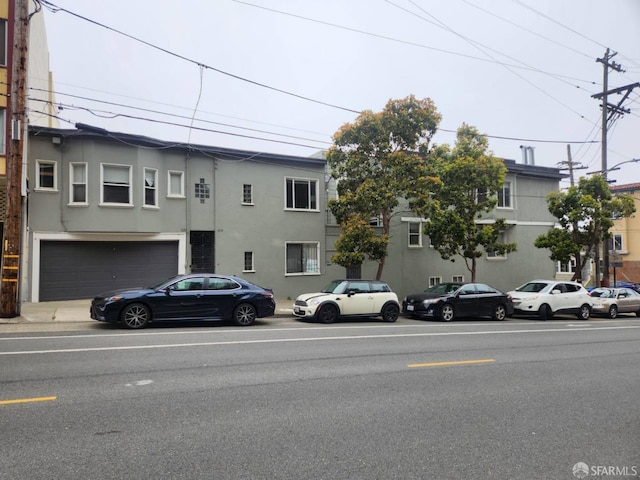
(528, 30)
(414, 44)
(55, 9)
(108, 114)
(481, 47)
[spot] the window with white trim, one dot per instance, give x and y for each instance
(301, 194)
(150, 187)
(247, 194)
(175, 184)
(494, 255)
(415, 234)
(78, 181)
(116, 184)
(248, 262)
(457, 278)
(504, 196)
(46, 178)
(303, 258)
(566, 267)
(433, 281)
(618, 245)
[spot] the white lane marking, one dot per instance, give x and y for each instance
(139, 383)
(308, 339)
(295, 328)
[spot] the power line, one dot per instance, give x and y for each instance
(532, 32)
(55, 9)
(92, 111)
(413, 44)
(480, 47)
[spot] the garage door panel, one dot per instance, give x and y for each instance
(76, 270)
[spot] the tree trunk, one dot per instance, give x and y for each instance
(380, 268)
(354, 271)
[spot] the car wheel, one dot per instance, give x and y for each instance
(544, 312)
(584, 313)
(135, 315)
(390, 313)
(244, 315)
(328, 314)
(499, 312)
(447, 312)
(613, 311)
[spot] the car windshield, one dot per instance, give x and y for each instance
(602, 293)
(444, 288)
(164, 282)
(535, 287)
(337, 286)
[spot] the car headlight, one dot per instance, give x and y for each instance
(314, 301)
(114, 299)
(430, 301)
(530, 299)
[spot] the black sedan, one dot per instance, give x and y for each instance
(447, 301)
(196, 296)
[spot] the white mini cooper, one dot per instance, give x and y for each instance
(349, 298)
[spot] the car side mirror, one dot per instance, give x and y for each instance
(555, 291)
(168, 290)
(350, 293)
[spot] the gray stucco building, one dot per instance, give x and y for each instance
(109, 210)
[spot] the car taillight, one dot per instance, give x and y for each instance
(268, 294)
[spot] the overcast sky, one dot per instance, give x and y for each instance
(294, 71)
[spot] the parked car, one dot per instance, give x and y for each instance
(611, 301)
(546, 298)
(447, 301)
(196, 296)
(349, 298)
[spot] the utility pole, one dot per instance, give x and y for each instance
(571, 166)
(9, 288)
(605, 114)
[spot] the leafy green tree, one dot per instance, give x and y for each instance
(470, 179)
(585, 213)
(357, 242)
(377, 162)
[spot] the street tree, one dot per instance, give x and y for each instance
(358, 242)
(378, 160)
(470, 179)
(585, 213)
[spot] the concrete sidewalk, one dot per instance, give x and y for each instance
(37, 316)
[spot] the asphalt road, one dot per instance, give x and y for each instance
(366, 400)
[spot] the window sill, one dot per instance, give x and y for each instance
(247, 204)
(150, 207)
(301, 210)
(78, 204)
(496, 259)
(301, 274)
(117, 205)
(248, 271)
(176, 196)
(46, 190)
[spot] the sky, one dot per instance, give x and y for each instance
(283, 76)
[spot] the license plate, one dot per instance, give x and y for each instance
(410, 308)
(297, 310)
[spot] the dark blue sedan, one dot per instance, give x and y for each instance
(196, 296)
